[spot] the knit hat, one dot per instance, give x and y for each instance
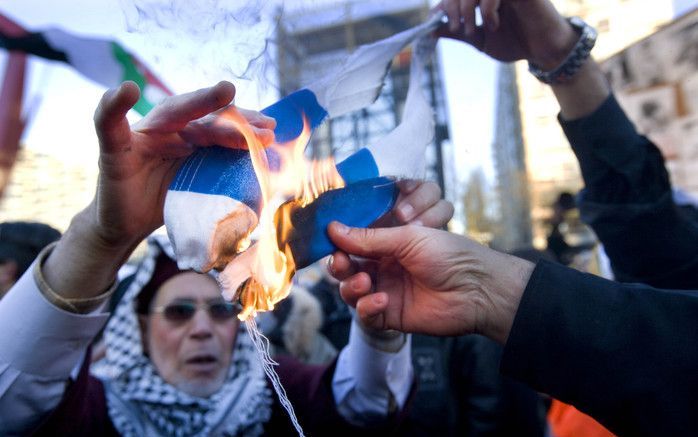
(165, 268)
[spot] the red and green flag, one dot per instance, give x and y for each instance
(103, 61)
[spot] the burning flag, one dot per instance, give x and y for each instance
(103, 61)
(221, 195)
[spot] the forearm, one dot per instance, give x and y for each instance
(587, 89)
(662, 241)
(628, 194)
(82, 266)
(616, 162)
(620, 352)
(583, 93)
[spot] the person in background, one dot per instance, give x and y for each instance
(20, 244)
(336, 313)
(294, 328)
(557, 243)
(179, 365)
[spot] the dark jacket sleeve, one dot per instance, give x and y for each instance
(623, 353)
(628, 202)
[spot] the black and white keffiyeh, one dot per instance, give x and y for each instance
(141, 403)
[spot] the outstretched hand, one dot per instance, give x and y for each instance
(137, 163)
(416, 279)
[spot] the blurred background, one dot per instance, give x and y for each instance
(498, 153)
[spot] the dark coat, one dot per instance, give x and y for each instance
(623, 353)
(628, 202)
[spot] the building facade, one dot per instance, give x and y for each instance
(45, 189)
(550, 164)
(656, 83)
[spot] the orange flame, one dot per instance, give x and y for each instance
(261, 276)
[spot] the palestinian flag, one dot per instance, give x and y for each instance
(103, 61)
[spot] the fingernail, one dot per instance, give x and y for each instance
(330, 264)
(378, 299)
(340, 228)
(406, 211)
(417, 222)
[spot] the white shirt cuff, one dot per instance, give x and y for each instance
(366, 379)
(39, 338)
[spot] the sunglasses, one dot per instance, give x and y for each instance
(183, 310)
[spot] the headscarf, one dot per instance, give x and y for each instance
(141, 403)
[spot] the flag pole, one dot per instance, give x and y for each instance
(11, 121)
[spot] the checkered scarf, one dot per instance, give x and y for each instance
(141, 403)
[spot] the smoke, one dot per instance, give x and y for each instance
(208, 39)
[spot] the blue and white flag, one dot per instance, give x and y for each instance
(216, 196)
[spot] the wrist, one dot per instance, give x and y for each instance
(388, 340)
(102, 235)
(83, 265)
(505, 283)
(559, 40)
(575, 58)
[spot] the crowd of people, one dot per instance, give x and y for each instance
(441, 335)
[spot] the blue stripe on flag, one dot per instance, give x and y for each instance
(357, 205)
(229, 172)
(289, 112)
(220, 170)
(359, 166)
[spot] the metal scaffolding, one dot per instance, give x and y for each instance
(311, 43)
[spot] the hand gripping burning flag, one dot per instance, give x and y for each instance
(220, 196)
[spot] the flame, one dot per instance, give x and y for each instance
(261, 276)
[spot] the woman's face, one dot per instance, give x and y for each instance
(191, 353)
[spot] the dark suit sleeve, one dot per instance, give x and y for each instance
(628, 202)
(625, 354)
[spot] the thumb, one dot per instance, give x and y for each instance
(368, 242)
(110, 117)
